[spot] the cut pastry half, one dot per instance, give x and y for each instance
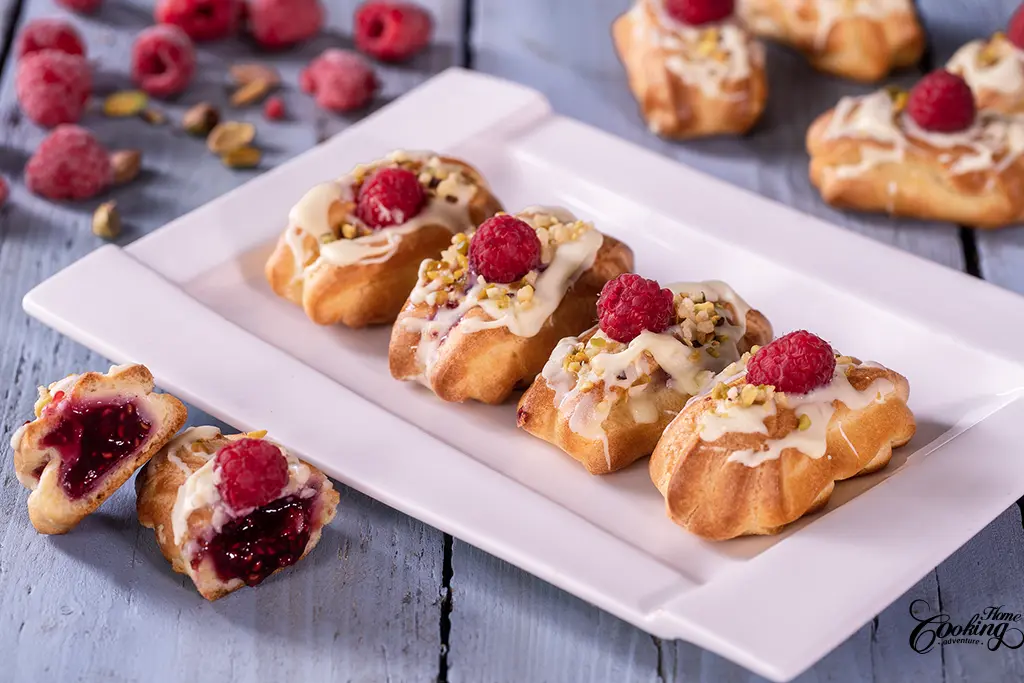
(754, 454)
(90, 433)
(691, 79)
(863, 40)
(605, 398)
(353, 246)
(230, 511)
(484, 317)
(870, 153)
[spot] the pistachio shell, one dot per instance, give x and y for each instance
(229, 136)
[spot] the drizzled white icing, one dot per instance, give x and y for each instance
(199, 489)
(993, 143)
(311, 216)
(618, 367)
(568, 262)
(1004, 75)
(759, 15)
(738, 51)
(729, 417)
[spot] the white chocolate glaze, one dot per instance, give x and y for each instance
(737, 49)
(199, 489)
(818, 405)
(1005, 75)
(617, 367)
(310, 216)
(568, 261)
(830, 12)
(992, 144)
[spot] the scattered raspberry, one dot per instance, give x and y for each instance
(795, 363)
(942, 102)
(276, 24)
(253, 473)
(273, 109)
(697, 12)
(200, 19)
(50, 34)
(68, 164)
(163, 60)
(392, 31)
(1015, 29)
(84, 6)
(53, 87)
(341, 80)
(504, 249)
(391, 196)
(630, 304)
(5, 192)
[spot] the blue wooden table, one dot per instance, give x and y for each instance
(384, 597)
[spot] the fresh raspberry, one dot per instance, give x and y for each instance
(200, 19)
(50, 34)
(341, 80)
(392, 31)
(5, 192)
(391, 196)
(253, 473)
(53, 87)
(795, 363)
(504, 249)
(163, 60)
(1015, 29)
(276, 24)
(84, 6)
(942, 102)
(697, 12)
(68, 164)
(630, 304)
(273, 109)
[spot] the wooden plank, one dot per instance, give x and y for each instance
(567, 55)
(101, 603)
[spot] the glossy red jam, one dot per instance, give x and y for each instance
(92, 438)
(253, 547)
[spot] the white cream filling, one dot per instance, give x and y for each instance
(818, 405)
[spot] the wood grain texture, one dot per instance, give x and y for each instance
(101, 604)
(497, 607)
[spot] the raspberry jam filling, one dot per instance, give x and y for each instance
(92, 438)
(253, 547)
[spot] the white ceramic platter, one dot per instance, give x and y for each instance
(190, 301)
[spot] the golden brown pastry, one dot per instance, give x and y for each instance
(229, 511)
(870, 154)
(353, 246)
(691, 80)
(482, 319)
(90, 434)
(606, 397)
(994, 69)
(859, 39)
(749, 457)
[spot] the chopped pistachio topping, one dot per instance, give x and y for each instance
(805, 423)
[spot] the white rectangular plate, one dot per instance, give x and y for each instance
(190, 301)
